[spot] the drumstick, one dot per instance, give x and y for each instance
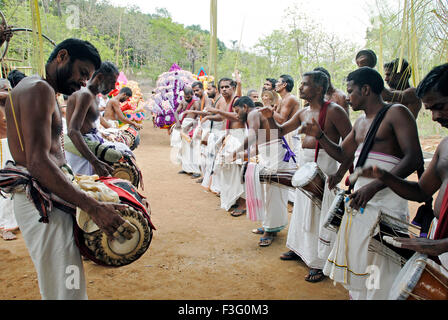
(393, 242)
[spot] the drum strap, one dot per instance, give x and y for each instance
(442, 225)
(370, 139)
(188, 108)
(230, 110)
(322, 118)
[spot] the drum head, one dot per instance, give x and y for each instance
(124, 170)
(121, 252)
(408, 277)
(305, 174)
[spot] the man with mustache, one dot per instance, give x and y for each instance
(34, 137)
(433, 90)
(82, 114)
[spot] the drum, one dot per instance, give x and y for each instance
(132, 137)
(95, 245)
(127, 169)
(284, 178)
(311, 181)
(334, 215)
(420, 279)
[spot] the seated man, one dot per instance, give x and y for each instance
(113, 112)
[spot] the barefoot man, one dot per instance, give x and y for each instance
(394, 147)
(304, 232)
(34, 137)
(434, 94)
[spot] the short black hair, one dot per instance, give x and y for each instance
(436, 79)
(393, 65)
(78, 50)
(198, 84)
(15, 76)
(289, 82)
(322, 69)
(232, 82)
(126, 91)
(272, 81)
(367, 76)
(245, 100)
(106, 68)
(319, 79)
(188, 90)
(371, 57)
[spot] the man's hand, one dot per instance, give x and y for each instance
(237, 76)
(361, 197)
(267, 112)
(372, 172)
(5, 33)
(110, 222)
(334, 180)
(426, 246)
(102, 169)
(137, 125)
(311, 129)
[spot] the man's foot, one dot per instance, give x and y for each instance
(182, 172)
(266, 241)
(7, 235)
(290, 255)
(238, 212)
(200, 180)
(315, 275)
(195, 176)
(258, 231)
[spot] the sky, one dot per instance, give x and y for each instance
(249, 20)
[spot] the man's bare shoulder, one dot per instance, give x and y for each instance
(398, 110)
(336, 110)
(33, 86)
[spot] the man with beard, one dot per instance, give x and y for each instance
(186, 122)
(82, 114)
(113, 112)
(394, 147)
(433, 90)
(226, 176)
(211, 91)
(34, 137)
(400, 90)
(305, 232)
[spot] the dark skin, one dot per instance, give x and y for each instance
(288, 106)
(113, 110)
(82, 112)
(337, 125)
(396, 136)
(40, 127)
(183, 105)
(435, 178)
(401, 92)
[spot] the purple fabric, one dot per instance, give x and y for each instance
(175, 67)
(94, 131)
(289, 153)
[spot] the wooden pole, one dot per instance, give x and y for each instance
(118, 39)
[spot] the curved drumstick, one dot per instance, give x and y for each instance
(392, 242)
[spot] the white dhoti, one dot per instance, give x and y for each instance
(350, 262)
(202, 136)
(304, 227)
(7, 219)
(52, 248)
(231, 187)
(271, 156)
(294, 141)
(190, 160)
(214, 143)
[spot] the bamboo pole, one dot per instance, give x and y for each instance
(213, 53)
(38, 44)
(118, 39)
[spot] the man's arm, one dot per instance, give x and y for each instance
(36, 127)
(282, 116)
(82, 104)
(104, 123)
(120, 116)
(285, 128)
(407, 97)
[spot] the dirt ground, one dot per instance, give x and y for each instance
(198, 252)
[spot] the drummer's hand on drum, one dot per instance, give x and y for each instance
(105, 216)
(362, 196)
(102, 169)
(311, 128)
(423, 245)
(137, 125)
(267, 112)
(334, 180)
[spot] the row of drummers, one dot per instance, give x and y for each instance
(351, 247)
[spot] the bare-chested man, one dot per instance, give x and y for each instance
(395, 148)
(225, 176)
(434, 94)
(34, 137)
(333, 94)
(400, 90)
(186, 121)
(305, 234)
(82, 114)
(113, 112)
